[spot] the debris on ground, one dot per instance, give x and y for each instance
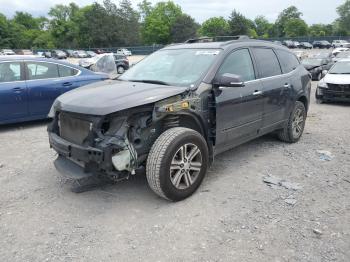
(290, 201)
(273, 181)
(325, 155)
(317, 231)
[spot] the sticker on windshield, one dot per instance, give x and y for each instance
(207, 52)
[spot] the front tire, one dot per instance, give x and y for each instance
(177, 163)
(294, 128)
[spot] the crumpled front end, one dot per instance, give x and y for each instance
(113, 145)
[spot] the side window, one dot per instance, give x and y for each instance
(65, 71)
(267, 62)
(41, 70)
(10, 72)
(239, 63)
(288, 61)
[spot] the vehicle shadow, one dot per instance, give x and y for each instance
(136, 187)
(24, 125)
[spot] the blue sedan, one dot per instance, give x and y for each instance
(29, 85)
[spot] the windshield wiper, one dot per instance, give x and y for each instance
(151, 82)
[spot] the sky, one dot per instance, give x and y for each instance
(314, 11)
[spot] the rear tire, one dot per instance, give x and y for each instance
(294, 128)
(120, 70)
(177, 163)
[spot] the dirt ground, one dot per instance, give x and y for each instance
(234, 216)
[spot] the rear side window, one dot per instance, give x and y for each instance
(267, 62)
(239, 63)
(65, 71)
(41, 70)
(10, 72)
(288, 61)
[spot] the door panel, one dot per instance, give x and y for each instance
(44, 85)
(238, 109)
(13, 92)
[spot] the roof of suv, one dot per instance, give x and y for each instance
(225, 45)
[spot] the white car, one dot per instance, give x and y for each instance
(340, 43)
(345, 55)
(335, 85)
(7, 52)
(124, 51)
(339, 50)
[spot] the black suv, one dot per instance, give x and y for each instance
(176, 109)
(321, 44)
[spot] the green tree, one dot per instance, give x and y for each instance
(5, 33)
(240, 25)
(215, 26)
(145, 8)
(320, 30)
(344, 17)
(287, 14)
(296, 27)
(263, 27)
(183, 28)
(158, 24)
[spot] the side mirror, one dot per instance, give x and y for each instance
(229, 80)
(324, 72)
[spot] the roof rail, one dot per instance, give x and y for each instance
(204, 39)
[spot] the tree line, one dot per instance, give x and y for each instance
(109, 25)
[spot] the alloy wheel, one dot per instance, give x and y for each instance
(185, 166)
(298, 123)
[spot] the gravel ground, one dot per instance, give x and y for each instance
(234, 216)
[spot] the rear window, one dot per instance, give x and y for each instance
(267, 62)
(287, 60)
(65, 71)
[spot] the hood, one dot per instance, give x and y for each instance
(310, 67)
(110, 96)
(337, 79)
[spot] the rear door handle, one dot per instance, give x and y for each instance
(256, 93)
(286, 85)
(67, 84)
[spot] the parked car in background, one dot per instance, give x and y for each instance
(7, 52)
(277, 42)
(176, 109)
(296, 44)
(342, 56)
(124, 51)
(29, 85)
(91, 53)
(324, 55)
(24, 52)
(80, 54)
(100, 51)
(338, 50)
(340, 43)
(288, 43)
(121, 62)
(58, 54)
(47, 54)
(315, 66)
(100, 63)
(335, 85)
(305, 45)
(69, 52)
(321, 44)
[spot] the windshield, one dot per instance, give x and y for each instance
(341, 68)
(315, 62)
(181, 67)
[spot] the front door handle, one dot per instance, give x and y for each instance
(17, 89)
(256, 93)
(286, 85)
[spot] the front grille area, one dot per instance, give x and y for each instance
(339, 88)
(73, 129)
